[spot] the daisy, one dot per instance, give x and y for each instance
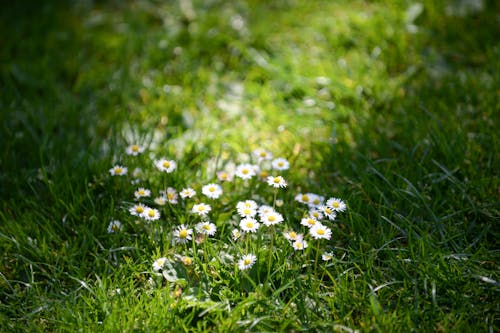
(118, 170)
(182, 234)
(262, 154)
(171, 195)
(165, 165)
(134, 150)
(245, 171)
(206, 228)
(161, 200)
(316, 213)
(213, 191)
(246, 204)
(235, 234)
(329, 212)
(187, 261)
(292, 236)
(320, 231)
(151, 214)
(114, 226)
(247, 212)
(280, 164)
(201, 209)
(299, 245)
(271, 218)
(138, 209)
(276, 182)
(264, 209)
(246, 261)
(336, 204)
(142, 192)
(249, 224)
(309, 221)
(187, 193)
(327, 256)
(304, 198)
(224, 176)
(159, 263)
(316, 200)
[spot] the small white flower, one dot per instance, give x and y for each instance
(142, 192)
(246, 204)
(262, 154)
(245, 171)
(316, 213)
(187, 193)
(138, 209)
(235, 234)
(159, 263)
(336, 204)
(329, 212)
(171, 195)
(165, 165)
(151, 214)
(327, 256)
(309, 221)
(114, 226)
(292, 236)
(161, 200)
(304, 198)
(320, 231)
(134, 150)
(264, 209)
(225, 176)
(276, 182)
(206, 228)
(271, 218)
(201, 209)
(118, 170)
(280, 164)
(246, 261)
(316, 200)
(299, 245)
(213, 191)
(249, 224)
(182, 234)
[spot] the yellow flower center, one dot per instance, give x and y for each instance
(115, 227)
(166, 164)
(212, 189)
(249, 224)
(263, 154)
(280, 164)
(245, 171)
(305, 198)
(328, 210)
(187, 261)
(139, 209)
(271, 218)
(336, 204)
(277, 180)
(316, 201)
(311, 222)
(201, 208)
(170, 196)
(321, 232)
(183, 233)
(292, 235)
(247, 211)
(206, 226)
(141, 192)
(247, 261)
(135, 148)
(151, 213)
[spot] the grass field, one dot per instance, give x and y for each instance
(387, 106)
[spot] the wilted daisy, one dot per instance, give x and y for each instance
(182, 234)
(262, 154)
(276, 182)
(118, 170)
(201, 209)
(235, 234)
(246, 261)
(280, 164)
(165, 165)
(309, 221)
(206, 228)
(320, 231)
(292, 236)
(114, 226)
(159, 263)
(299, 245)
(137, 210)
(213, 191)
(225, 176)
(329, 212)
(134, 150)
(336, 204)
(249, 224)
(271, 218)
(187, 193)
(161, 200)
(151, 214)
(327, 256)
(171, 195)
(142, 192)
(245, 171)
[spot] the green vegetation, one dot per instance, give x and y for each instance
(391, 106)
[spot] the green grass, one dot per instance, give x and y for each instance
(403, 130)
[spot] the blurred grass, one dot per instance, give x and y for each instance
(404, 129)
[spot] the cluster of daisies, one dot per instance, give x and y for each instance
(250, 215)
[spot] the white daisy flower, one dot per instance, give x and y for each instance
(225, 176)
(206, 228)
(280, 164)
(317, 200)
(165, 165)
(293, 236)
(213, 191)
(134, 150)
(271, 218)
(329, 212)
(309, 221)
(142, 192)
(151, 214)
(246, 204)
(201, 209)
(316, 213)
(276, 182)
(246, 261)
(262, 154)
(304, 198)
(171, 195)
(161, 200)
(114, 226)
(235, 234)
(182, 234)
(249, 224)
(299, 245)
(320, 231)
(245, 171)
(118, 170)
(264, 209)
(336, 204)
(327, 256)
(138, 209)
(247, 212)
(187, 193)
(159, 263)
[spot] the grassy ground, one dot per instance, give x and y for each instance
(389, 105)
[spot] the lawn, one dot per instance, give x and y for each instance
(249, 166)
